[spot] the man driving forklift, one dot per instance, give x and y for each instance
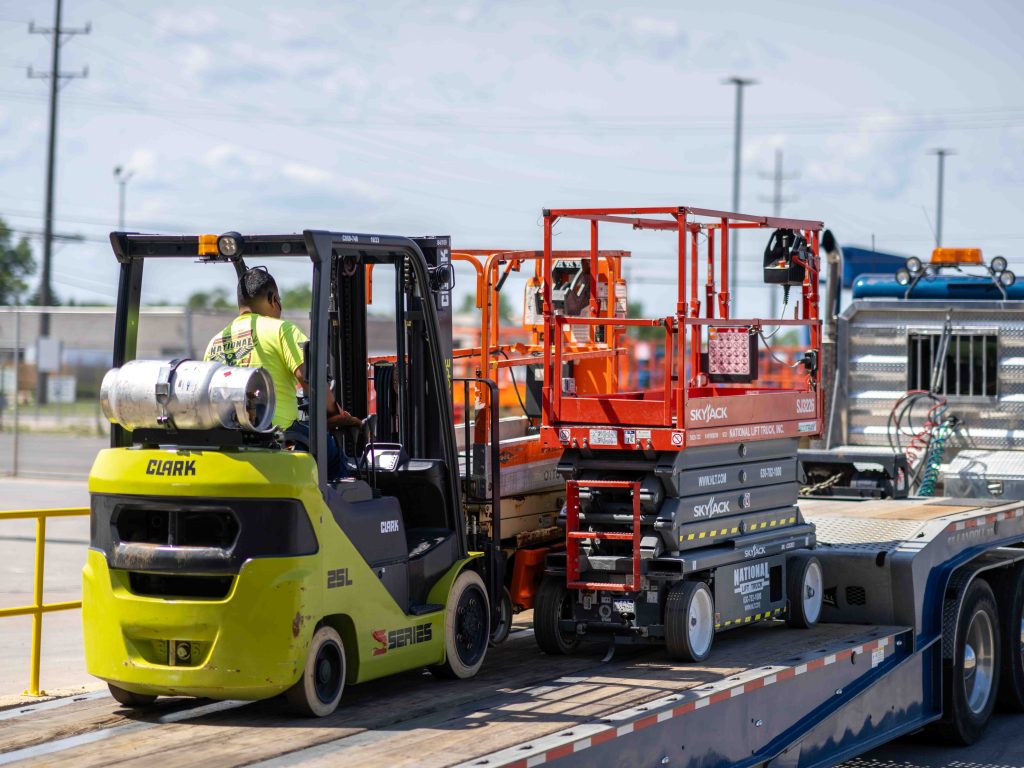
(259, 338)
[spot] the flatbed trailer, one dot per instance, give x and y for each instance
(770, 695)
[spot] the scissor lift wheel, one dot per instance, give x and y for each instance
(805, 586)
(689, 621)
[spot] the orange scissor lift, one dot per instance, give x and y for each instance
(532, 491)
(531, 488)
(681, 517)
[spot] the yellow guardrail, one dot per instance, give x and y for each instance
(38, 607)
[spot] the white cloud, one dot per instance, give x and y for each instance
(305, 174)
(656, 28)
(143, 162)
(878, 157)
(196, 61)
(200, 24)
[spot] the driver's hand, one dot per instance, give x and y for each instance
(343, 421)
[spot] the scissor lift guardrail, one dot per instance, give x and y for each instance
(38, 607)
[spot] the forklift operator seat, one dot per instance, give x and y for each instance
(420, 485)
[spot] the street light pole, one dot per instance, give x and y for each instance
(737, 150)
(941, 152)
(122, 178)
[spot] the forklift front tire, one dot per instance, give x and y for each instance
(467, 628)
(319, 690)
(129, 699)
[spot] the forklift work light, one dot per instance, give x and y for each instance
(903, 276)
(1007, 278)
(998, 264)
(914, 265)
(188, 394)
(230, 245)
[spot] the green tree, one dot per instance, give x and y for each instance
(505, 310)
(297, 297)
(217, 299)
(16, 264)
(636, 309)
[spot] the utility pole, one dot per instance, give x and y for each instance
(941, 152)
(59, 35)
(740, 83)
(122, 178)
(777, 199)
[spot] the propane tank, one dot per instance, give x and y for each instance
(187, 394)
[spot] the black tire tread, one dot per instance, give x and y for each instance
(677, 611)
(546, 613)
(796, 567)
(1010, 594)
(958, 725)
(129, 699)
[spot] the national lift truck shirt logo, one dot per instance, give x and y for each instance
(235, 349)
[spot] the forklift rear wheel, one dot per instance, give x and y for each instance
(552, 603)
(689, 621)
(318, 691)
(129, 699)
(1011, 627)
(805, 588)
(502, 619)
(467, 628)
(970, 678)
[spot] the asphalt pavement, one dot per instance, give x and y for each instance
(50, 455)
(67, 540)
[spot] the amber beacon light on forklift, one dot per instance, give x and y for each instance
(681, 518)
(226, 563)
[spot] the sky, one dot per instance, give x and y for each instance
(468, 118)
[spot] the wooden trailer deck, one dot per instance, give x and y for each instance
(528, 709)
(519, 697)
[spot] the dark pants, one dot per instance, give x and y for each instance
(336, 458)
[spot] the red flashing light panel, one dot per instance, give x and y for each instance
(732, 354)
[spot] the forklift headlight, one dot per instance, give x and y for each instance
(903, 276)
(998, 264)
(914, 265)
(1007, 278)
(230, 244)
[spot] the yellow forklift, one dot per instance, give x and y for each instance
(224, 562)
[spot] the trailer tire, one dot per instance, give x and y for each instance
(129, 699)
(971, 678)
(551, 604)
(319, 689)
(689, 621)
(1011, 625)
(467, 628)
(805, 588)
(503, 622)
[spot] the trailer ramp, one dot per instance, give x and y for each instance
(523, 709)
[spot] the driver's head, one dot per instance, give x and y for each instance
(257, 292)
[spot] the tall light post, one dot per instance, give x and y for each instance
(737, 150)
(122, 177)
(941, 152)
